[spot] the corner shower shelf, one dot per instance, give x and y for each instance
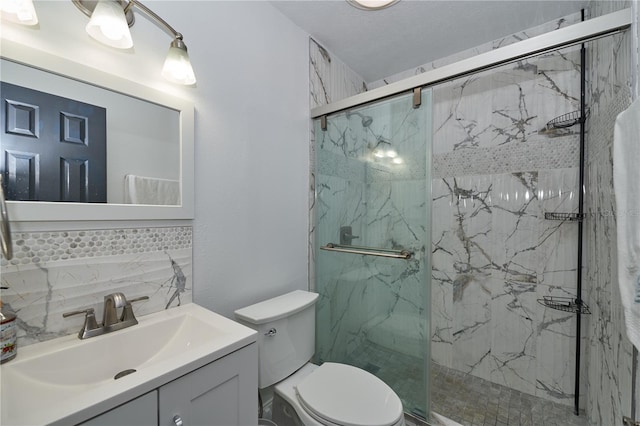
(566, 304)
(566, 120)
(571, 217)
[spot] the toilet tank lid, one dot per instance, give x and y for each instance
(277, 308)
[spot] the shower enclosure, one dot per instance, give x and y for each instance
(372, 242)
(482, 324)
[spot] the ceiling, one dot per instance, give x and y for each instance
(378, 44)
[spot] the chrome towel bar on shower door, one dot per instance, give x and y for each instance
(369, 251)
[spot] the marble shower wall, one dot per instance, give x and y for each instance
(53, 272)
(496, 171)
(609, 352)
(329, 80)
(494, 256)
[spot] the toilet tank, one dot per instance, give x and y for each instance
(286, 333)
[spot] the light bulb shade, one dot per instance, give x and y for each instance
(177, 67)
(109, 26)
(372, 4)
(20, 11)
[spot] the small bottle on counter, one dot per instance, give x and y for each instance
(8, 334)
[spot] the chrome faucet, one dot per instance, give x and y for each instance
(110, 319)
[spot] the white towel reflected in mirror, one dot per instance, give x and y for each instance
(148, 190)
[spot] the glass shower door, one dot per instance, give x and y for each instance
(372, 196)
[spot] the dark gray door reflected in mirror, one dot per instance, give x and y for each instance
(53, 148)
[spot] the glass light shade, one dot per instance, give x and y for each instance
(109, 26)
(177, 67)
(372, 4)
(20, 11)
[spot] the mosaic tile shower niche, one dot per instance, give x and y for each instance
(372, 176)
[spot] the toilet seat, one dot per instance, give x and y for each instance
(345, 395)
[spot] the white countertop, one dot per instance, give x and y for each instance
(66, 381)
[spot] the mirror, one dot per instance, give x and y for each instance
(149, 140)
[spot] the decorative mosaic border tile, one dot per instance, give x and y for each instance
(38, 247)
(554, 153)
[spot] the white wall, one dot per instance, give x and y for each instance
(252, 160)
(251, 136)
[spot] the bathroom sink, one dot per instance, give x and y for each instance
(67, 379)
(97, 360)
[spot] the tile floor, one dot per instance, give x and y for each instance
(470, 400)
(460, 397)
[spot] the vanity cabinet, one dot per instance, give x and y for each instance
(142, 411)
(223, 392)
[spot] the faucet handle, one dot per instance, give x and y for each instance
(138, 299)
(90, 322)
(127, 312)
(87, 311)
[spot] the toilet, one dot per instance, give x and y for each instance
(304, 393)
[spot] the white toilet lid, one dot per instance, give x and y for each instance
(349, 396)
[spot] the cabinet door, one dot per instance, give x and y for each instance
(142, 411)
(223, 393)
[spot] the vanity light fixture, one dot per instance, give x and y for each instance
(110, 22)
(372, 4)
(19, 11)
(109, 26)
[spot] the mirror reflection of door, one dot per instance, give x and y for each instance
(53, 148)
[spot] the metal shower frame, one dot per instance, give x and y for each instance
(564, 37)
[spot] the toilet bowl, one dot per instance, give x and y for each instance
(304, 393)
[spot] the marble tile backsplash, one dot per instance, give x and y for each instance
(62, 271)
